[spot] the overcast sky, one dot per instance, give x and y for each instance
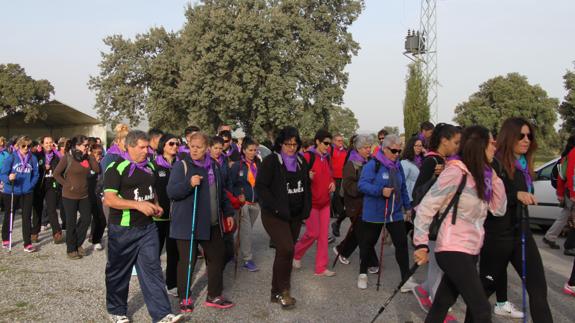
(61, 41)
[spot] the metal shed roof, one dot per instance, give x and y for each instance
(58, 114)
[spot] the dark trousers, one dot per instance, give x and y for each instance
(62, 209)
(51, 197)
(572, 278)
(77, 228)
(459, 278)
(284, 235)
(98, 225)
(370, 232)
(570, 241)
(337, 207)
(351, 241)
(139, 246)
(498, 252)
(171, 252)
(25, 202)
(214, 253)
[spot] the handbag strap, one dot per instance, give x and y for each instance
(454, 201)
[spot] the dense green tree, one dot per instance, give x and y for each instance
(567, 107)
(21, 93)
(260, 64)
(510, 96)
(139, 79)
(416, 104)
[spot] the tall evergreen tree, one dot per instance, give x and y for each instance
(415, 105)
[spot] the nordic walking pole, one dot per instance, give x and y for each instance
(383, 233)
(237, 243)
(192, 242)
(382, 308)
(11, 216)
(523, 209)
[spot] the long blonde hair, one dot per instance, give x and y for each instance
(121, 130)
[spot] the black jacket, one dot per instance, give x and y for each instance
(271, 187)
(239, 181)
(43, 181)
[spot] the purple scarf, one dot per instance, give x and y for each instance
(115, 150)
(487, 178)
(133, 165)
(251, 165)
(354, 156)
(418, 161)
(48, 156)
(207, 165)
(24, 160)
(290, 162)
(393, 168)
(523, 167)
(161, 161)
(454, 157)
(184, 149)
(220, 160)
(230, 151)
(391, 165)
(58, 153)
(321, 156)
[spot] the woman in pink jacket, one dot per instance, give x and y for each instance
(460, 235)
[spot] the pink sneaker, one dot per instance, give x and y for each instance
(569, 290)
(450, 319)
(422, 298)
(30, 248)
(5, 244)
(187, 305)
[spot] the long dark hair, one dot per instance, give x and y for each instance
(76, 140)
(506, 140)
(442, 130)
(568, 146)
(408, 152)
(248, 141)
(474, 142)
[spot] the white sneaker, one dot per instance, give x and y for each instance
(373, 270)
(362, 281)
(173, 292)
(341, 258)
(326, 273)
(296, 264)
(409, 285)
(508, 310)
(171, 318)
(98, 246)
(119, 318)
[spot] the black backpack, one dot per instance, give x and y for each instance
(420, 191)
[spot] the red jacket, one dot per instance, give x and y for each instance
(338, 161)
(322, 178)
(567, 184)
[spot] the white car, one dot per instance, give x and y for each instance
(548, 209)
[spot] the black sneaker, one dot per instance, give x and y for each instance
(551, 244)
(218, 302)
(569, 252)
(335, 229)
(284, 299)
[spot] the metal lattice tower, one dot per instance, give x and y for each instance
(421, 46)
(428, 28)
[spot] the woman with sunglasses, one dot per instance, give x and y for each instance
(166, 156)
(19, 174)
(382, 182)
(460, 234)
(443, 145)
(317, 225)
(283, 187)
(72, 173)
(516, 145)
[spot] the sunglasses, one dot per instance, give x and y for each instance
(227, 141)
(394, 151)
(522, 136)
(25, 146)
(381, 138)
(326, 143)
(173, 143)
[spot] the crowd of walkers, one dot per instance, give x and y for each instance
(459, 196)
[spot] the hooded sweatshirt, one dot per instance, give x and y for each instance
(322, 178)
(26, 174)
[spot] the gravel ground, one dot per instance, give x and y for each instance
(47, 287)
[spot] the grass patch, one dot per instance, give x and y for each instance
(21, 304)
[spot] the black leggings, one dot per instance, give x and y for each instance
(459, 278)
(283, 234)
(498, 252)
(171, 253)
(214, 252)
(351, 241)
(369, 233)
(77, 228)
(98, 219)
(25, 202)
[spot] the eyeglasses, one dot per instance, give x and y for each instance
(394, 151)
(522, 136)
(173, 143)
(326, 143)
(290, 144)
